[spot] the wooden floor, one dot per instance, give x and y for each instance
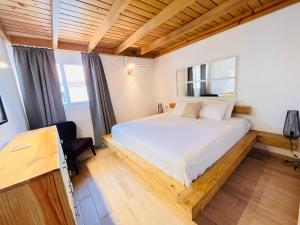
(260, 192)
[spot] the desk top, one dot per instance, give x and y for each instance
(19, 166)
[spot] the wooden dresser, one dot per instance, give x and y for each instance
(35, 188)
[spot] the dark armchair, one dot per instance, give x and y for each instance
(71, 145)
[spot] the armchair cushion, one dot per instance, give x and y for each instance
(75, 147)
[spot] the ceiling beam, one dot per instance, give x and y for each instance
(201, 20)
(117, 8)
(166, 13)
(55, 22)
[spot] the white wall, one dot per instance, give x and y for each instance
(132, 96)
(269, 65)
(11, 100)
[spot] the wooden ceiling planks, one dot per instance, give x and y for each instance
(202, 20)
(255, 13)
(80, 19)
(161, 16)
(25, 9)
(3, 31)
(26, 18)
(146, 28)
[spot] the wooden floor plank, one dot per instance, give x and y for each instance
(81, 187)
(260, 192)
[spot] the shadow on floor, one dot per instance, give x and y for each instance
(92, 206)
(230, 203)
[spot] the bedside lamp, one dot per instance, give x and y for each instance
(291, 130)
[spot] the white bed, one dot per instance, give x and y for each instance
(181, 147)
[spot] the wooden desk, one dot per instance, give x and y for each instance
(35, 188)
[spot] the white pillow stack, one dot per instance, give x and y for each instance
(209, 109)
(191, 110)
(213, 110)
(179, 108)
(229, 109)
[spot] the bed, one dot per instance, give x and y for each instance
(183, 148)
(184, 161)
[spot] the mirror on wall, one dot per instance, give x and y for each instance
(3, 118)
(215, 78)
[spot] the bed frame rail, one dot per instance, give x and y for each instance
(188, 200)
(199, 193)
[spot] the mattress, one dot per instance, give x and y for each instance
(183, 148)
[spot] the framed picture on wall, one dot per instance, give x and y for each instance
(3, 117)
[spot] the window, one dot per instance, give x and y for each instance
(72, 84)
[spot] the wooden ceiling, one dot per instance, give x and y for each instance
(147, 28)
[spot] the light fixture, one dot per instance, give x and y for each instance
(3, 64)
(130, 69)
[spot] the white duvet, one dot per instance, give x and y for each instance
(181, 147)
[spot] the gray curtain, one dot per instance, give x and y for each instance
(190, 86)
(37, 73)
(203, 77)
(102, 112)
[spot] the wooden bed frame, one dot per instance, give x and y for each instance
(192, 199)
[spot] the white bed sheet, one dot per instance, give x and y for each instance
(181, 147)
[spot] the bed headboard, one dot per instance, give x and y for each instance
(238, 109)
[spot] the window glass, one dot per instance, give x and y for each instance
(76, 83)
(72, 83)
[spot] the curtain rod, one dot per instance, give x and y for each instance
(73, 51)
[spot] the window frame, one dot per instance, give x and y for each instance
(64, 83)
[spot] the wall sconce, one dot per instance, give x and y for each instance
(130, 69)
(3, 64)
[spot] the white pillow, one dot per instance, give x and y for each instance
(179, 108)
(230, 106)
(229, 109)
(213, 110)
(191, 110)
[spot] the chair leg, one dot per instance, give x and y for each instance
(93, 149)
(75, 166)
